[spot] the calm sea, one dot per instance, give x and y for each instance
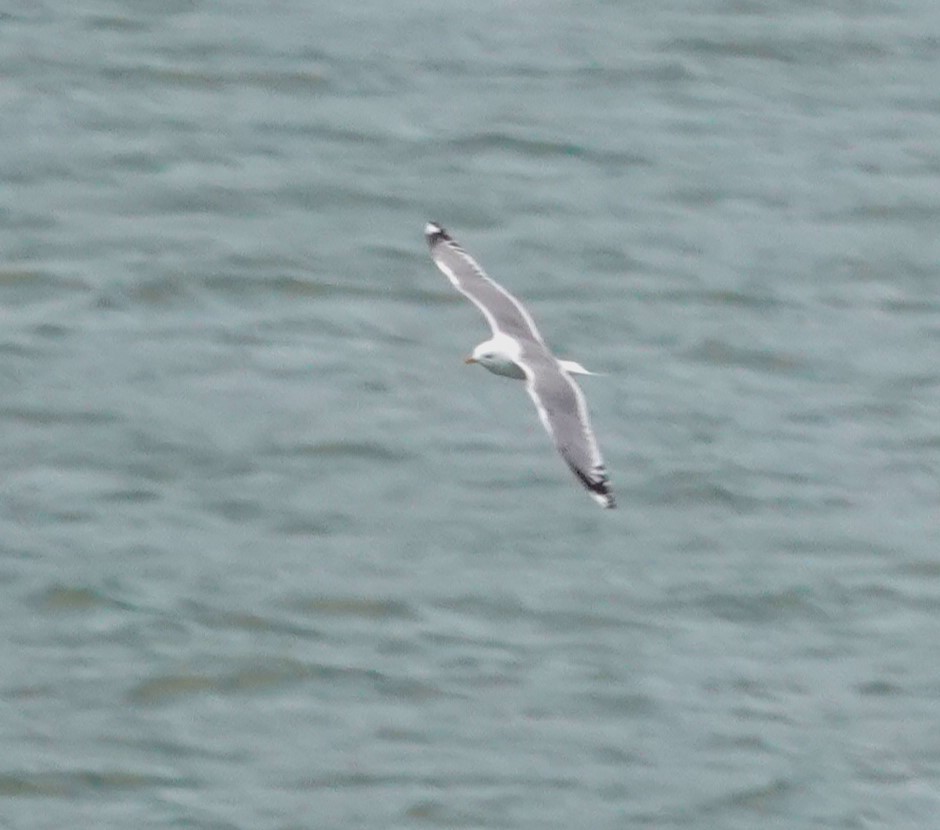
(273, 558)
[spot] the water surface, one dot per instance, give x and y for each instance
(274, 558)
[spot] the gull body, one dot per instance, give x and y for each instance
(517, 350)
(500, 355)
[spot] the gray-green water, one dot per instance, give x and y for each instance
(273, 558)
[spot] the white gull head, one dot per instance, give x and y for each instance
(499, 354)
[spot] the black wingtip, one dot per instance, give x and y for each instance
(598, 489)
(603, 496)
(433, 232)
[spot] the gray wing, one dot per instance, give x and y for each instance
(563, 411)
(503, 312)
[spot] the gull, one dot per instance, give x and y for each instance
(517, 350)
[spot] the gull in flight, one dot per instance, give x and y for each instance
(517, 350)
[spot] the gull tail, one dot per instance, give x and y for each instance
(572, 367)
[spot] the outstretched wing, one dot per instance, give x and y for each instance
(563, 411)
(504, 313)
